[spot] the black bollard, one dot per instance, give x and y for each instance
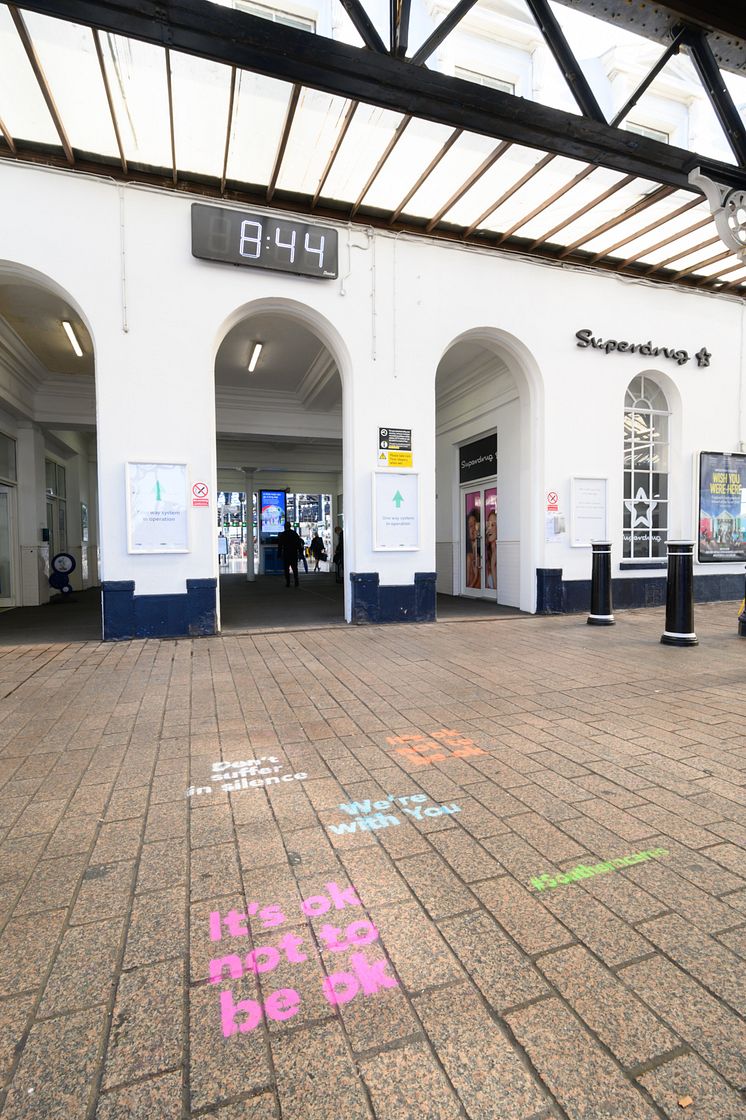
(680, 595)
(742, 620)
(601, 612)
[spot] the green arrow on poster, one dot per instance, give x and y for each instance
(397, 499)
(158, 491)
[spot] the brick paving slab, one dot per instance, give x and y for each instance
(688, 1077)
(388, 949)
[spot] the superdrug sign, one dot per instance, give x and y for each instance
(587, 338)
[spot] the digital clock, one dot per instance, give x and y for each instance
(263, 241)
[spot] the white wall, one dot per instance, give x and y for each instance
(400, 305)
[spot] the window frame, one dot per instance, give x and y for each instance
(631, 444)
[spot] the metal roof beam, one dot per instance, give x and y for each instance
(665, 241)
(565, 59)
(8, 138)
(42, 82)
(718, 93)
(427, 172)
(649, 79)
(646, 229)
(363, 25)
(400, 130)
(401, 27)
(229, 123)
(583, 210)
(236, 38)
(475, 176)
(442, 31)
(547, 202)
(109, 99)
(289, 118)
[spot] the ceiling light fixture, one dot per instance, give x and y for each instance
(67, 327)
(255, 356)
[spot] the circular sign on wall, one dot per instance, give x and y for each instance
(63, 563)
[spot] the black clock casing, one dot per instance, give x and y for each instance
(258, 240)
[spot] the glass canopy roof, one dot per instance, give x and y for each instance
(95, 101)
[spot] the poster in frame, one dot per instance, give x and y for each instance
(157, 510)
(721, 522)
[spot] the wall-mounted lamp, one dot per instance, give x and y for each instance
(67, 327)
(255, 356)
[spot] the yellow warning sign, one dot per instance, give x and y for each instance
(394, 458)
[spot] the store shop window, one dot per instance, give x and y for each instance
(646, 455)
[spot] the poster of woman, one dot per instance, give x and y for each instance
(490, 538)
(473, 507)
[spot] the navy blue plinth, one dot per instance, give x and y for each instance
(373, 602)
(126, 615)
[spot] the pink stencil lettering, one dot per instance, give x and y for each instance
(236, 924)
(228, 1011)
(332, 938)
(290, 945)
(316, 904)
(372, 977)
(282, 1004)
(263, 959)
(342, 898)
(219, 964)
(272, 916)
(361, 933)
(356, 933)
(340, 987)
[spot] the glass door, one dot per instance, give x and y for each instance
(479, 543)
(7, 574)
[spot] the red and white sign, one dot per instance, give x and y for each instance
(552, 501)
(200, 494)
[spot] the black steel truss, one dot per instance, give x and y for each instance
(379, 78)
(380, 74)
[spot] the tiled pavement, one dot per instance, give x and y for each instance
(286, 949)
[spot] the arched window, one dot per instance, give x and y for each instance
(645, 522)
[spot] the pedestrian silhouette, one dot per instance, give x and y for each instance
(289, 546)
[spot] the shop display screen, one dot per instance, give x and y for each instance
(272, 513)
(263, 241)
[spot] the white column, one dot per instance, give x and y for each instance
(32, 517)
(249, 490)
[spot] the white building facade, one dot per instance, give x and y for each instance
(598, 394)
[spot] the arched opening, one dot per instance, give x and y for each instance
(488, 467)
(279, 437)
(48, 461)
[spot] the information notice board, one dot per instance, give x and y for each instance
(588, 511)
(157, 510)
(396, 511)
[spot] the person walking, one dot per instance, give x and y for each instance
(339, 553)
(316, 548)
(289, 547)
(302, 553)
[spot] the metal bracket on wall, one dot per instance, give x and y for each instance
(728, 209)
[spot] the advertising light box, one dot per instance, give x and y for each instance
(272, 513)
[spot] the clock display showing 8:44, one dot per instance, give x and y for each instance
(263, 241)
